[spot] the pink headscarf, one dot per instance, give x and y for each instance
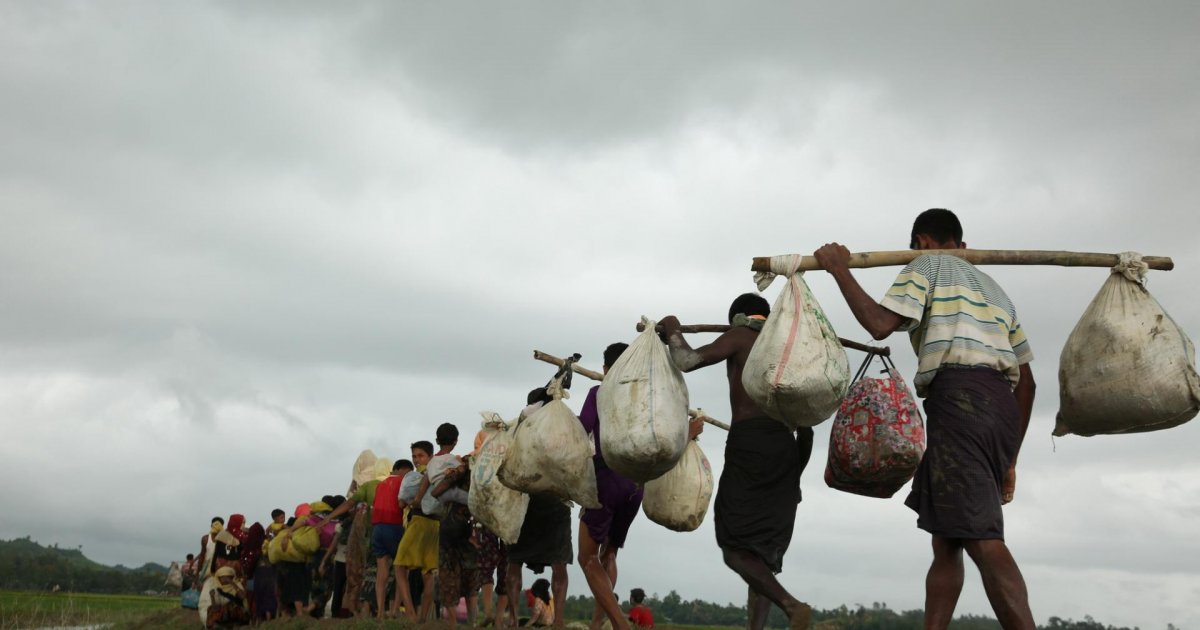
(303, 510)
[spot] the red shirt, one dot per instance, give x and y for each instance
(641, 616)
(387, 502)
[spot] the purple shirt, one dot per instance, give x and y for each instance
(589, 417)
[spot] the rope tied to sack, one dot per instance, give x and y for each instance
(1131, 265)
(786, 266)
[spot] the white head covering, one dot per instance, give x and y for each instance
(364, 467)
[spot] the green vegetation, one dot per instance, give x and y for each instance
(34, 610)
(97, 594)
(26, 565)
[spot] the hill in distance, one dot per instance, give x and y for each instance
(27, 565)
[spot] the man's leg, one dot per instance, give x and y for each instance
(513, 585)
(485, 597)
(426, 595)
(382, 564)
(404, 594)
(759, 608)
(599, 580)
(943, 583)
(558, 586)
(1002, 581)
(608, 558)
(759, 577)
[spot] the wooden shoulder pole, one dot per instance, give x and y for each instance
(863, 260)
(596, 376)
(883, 351)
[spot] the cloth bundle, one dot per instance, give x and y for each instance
(500, 508)
(551, 453)
(679, 499)
(878, 436)
(797, 371)
(1127, 366)
(643, 407)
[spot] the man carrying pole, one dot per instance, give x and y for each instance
(755, 508)
(602, 531)
(974, 375)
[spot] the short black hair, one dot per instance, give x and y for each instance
(937, 223)
(541, 589)
(423, 445)
(191, 557)
(538, 395)
(291, 521)
(614, 352)
(216, 519)
(637, 595)
(276, 513)
(336, 501)
(327, 499)
(749, 304)
(447, 434)
(402, 464)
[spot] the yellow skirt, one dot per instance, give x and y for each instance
(419, 546)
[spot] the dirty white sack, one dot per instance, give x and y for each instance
(679, 499)
(500, 508)
(1127, 366)
(797, 371)
(643, 408)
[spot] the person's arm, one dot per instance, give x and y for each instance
(329, 553)
(1025, 390)
(695, 427)
(346, 506)
(873, 317)
(688, 359)
(447, 489)
(422, 490)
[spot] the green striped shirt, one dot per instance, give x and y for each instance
(956, 315)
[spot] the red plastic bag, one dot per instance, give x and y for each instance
(878, 436)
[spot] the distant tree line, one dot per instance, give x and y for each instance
(674, 610)
(27, 566)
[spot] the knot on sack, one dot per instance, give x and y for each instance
(1131, 265)
(780, 266)
(493, 420)
(555, 389)
(649, 325)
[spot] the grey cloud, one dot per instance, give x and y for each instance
(243, 242)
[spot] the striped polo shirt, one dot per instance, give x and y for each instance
(956, 315)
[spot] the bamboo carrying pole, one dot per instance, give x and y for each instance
(596, 376)
(863, 260)
(883, 351)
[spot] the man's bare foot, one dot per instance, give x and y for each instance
(799, 615)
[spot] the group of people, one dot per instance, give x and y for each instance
(972, 371)
(403, 542)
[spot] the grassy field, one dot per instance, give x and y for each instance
(136, 612)
(41, 610)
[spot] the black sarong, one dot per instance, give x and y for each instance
(545, 535)
(756, 501)
(973, 431)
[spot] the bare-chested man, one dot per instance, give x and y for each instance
(760, 485)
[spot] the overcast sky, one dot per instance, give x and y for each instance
(242, 242)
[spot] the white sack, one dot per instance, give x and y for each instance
(500, 508)
(679, 499)
(1127, 366)
(551, 453)
(174, 576)
(643, 408)
(797, 371)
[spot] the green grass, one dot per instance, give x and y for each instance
(39, 610)
(138, 612)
